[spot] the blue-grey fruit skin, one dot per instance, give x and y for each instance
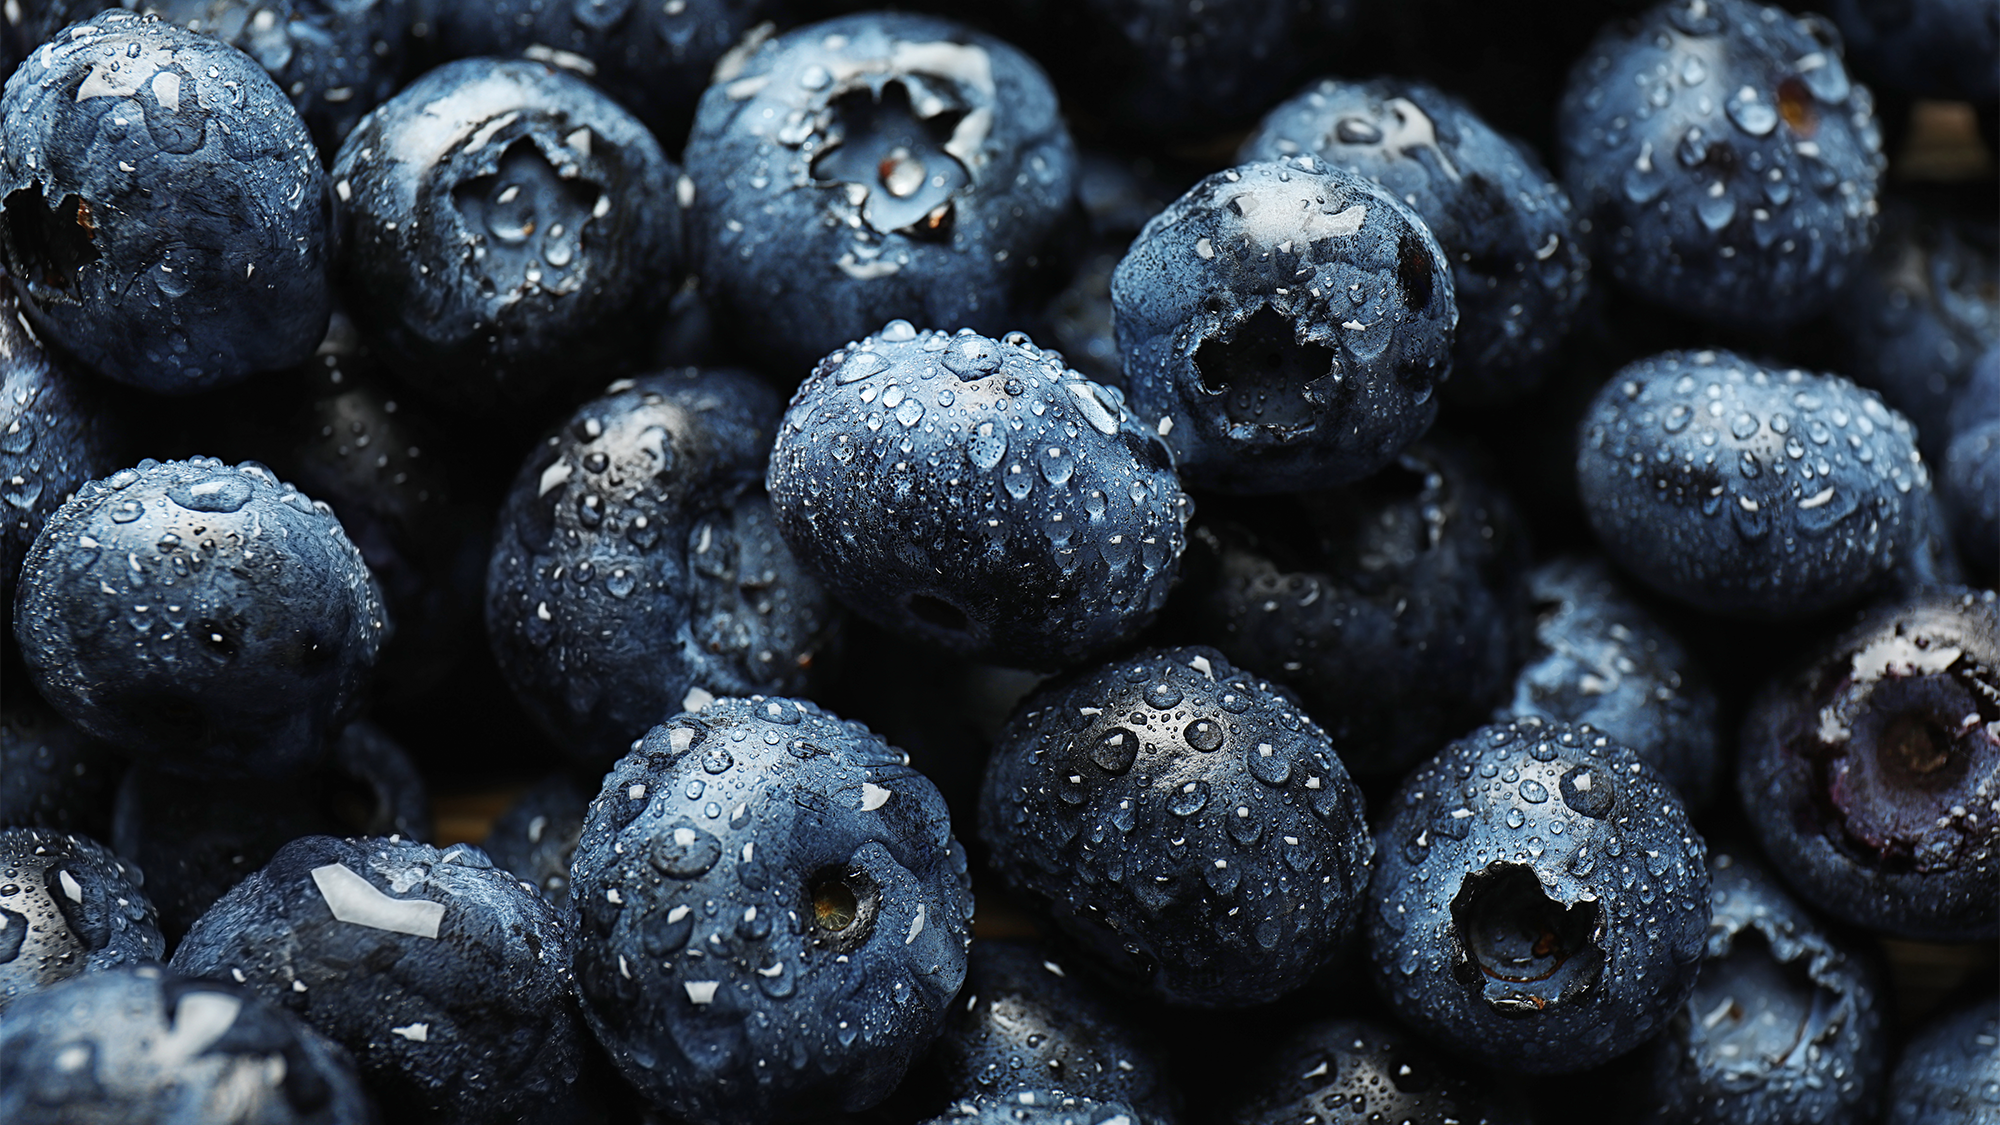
(635, 561)
(1785, 1025)
(811, 231)
(446, 977)
(1601, 658)
(56, 432)
(1285, 326)
(772, 914)
(68, 906)
(1525, 829)
(1970, 475)
(1519, 272)
(211, 617)
(166, 218)
(142, 1043)
(1185, 825)
(1747, 490)
(1039, 1107)
(1870, 771)
(1728, 164)
(1950, 1070)
(979, 495)
(1362, 1072)
(536, 837)
(1930, 48)
(507, 230)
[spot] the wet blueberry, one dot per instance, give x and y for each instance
(1950, 1069)
(537, 836)
(68, 906)
(1360, 1072)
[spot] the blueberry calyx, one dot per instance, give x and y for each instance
(897, 158)
(46, 246)
(1521, 951)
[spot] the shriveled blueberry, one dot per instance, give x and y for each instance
(1729, 165)
(447, 978)
(1285, 326)
(773, 915)
(509, 231)
(1747, 490)
(1519, 272)
(1540, 901)
(634, 562)
(1785, 1024)
(52, 775)
(537, 836)
(163, 212)
(68, 906)
(979, 495)
(1870, 770)
(1599, 657)
(1354, 1071)
(875, 166)
(1950, 1070)
(1184, 824)
(209, 617)
(1364, 599)
(142, 1043)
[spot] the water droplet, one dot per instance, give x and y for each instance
(1188, 798)
(1204, 735)
(1115, 751)
(987, 447)
(1534, 792)
(1751, 112)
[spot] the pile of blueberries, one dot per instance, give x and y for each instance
(1457, 596)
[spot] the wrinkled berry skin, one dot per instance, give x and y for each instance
(447, 978)
(979, 495)
(204, 262)
(1184, 825)
(1749, 491)
(1874, 770)
(1599, 657)
(1728, 164)
(55, 433)
(1949, 1069)
(162, 1048)
(1352, 1071)
(69, 906)
(808, 226)
(1519, 272)
(772, 913)
(507, 230)
(1528, 948)
(633, 555)
(1363, 599)
(1285, 326)
(1785, 1024)
(207, 615)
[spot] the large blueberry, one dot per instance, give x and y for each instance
(1540, 901)
(68, 906)
(875, 166)
(1748, 490)
(208, 615)
(163, 212)
(1285, 325)
(772, 911)
(1184, 824)
(979, 495)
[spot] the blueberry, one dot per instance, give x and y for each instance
(68, 906)
(537, 836)
(1601, 658)
(162, 209)
(979, 495)
(1353, 1071)
(1285, 325)
(336, 61)
(1950, 1069)
(507, 228)
(1519, 273)
(1027, 1022)
(1870, 770)
(1540, 901)
(200, 614)
(1729, 165)
(874, 166)
(143, 1044)
(1931, 48)
(634, 563)
(447, 979)
(200, 836)
(1746, 490)
(52, 775)
(1785, 1024)
(1184, 824)
(1363, 599)
(773, 915)
(1039, 1107)
(1971, 470)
